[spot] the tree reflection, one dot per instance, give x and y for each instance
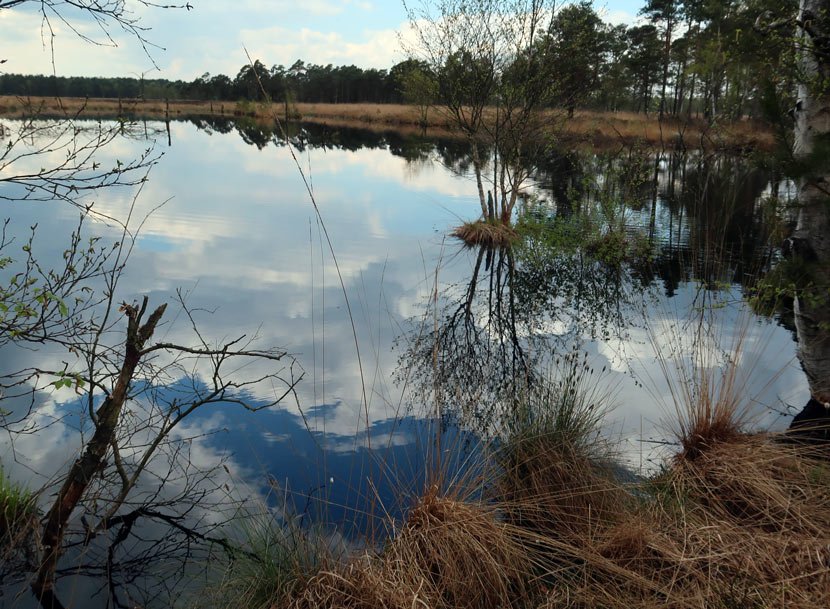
(488, 339)
(470, 350)
(606, 228)
(597, 237)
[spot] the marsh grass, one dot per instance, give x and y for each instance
(732, 520)
(592, 127)
(18, 512)
(488, 233)
(272, 558)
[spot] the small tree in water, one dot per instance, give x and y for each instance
(493, 64)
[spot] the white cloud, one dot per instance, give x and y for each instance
(618, 17)
(378, 48)
(28, 43)
(320, 8)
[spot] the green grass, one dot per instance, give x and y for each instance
(271, 559)
(18, 511)
(566, 404)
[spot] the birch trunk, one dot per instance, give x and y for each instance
(811, 238)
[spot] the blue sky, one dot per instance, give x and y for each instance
(211, 36)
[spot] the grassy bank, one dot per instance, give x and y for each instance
(743, 525)
(595, 128)
(733, 520)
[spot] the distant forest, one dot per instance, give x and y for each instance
(700, 57)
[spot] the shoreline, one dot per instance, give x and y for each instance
(586, 127)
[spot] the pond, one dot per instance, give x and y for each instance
(387, 320)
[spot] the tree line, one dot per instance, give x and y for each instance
(686, 56)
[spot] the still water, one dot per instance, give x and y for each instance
(382, 310)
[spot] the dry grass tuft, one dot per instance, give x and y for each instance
(710, 371)
(757, 483)
(448, 554)
(458, 555)
(360, 584)
(551, 488)
(488, 233)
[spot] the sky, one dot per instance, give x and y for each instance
(211, 37)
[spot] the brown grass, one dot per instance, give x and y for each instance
(488, 233)
(552, 488)
(734, 521)
(360, 584)
(713, 379)
(744, 525)
(459, 554)
(448, 554)
(599, 129)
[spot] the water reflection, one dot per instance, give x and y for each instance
(713, 214)
(611, 239)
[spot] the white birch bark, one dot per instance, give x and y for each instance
(811, 238)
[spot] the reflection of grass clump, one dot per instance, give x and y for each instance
(615, 248)
(608, 244)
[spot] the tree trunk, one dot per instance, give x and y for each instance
(679, 90)
(666, 57)
(91, 462)
(811, 238)
(691, 96)
(479, 181)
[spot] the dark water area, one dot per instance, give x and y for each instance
(623, 252)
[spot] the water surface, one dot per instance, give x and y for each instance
(382, 310)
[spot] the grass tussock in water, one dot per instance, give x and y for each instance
(489, 233)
